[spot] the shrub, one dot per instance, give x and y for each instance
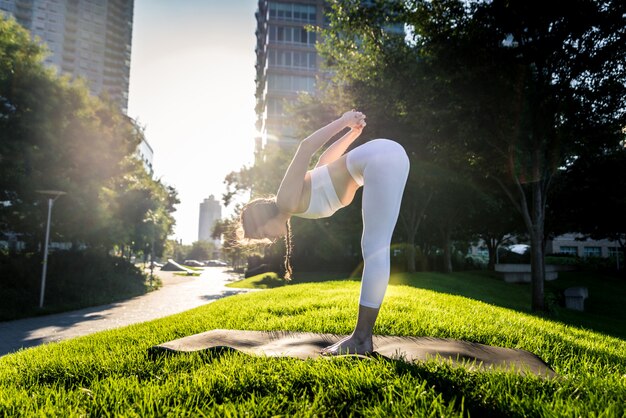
(74, 279)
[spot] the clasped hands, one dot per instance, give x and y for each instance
(354, 120)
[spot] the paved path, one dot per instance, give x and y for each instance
(178, 294)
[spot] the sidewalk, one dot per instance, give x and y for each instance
(178, 294)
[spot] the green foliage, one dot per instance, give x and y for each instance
(55, 136)
(504, 90)
(597, 183)
(75, 279)
(201, 250)
(110, 373)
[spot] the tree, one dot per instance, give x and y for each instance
(140, 210)
(491, 219)
(55, 135)
(373, 69)
(558, 70)
(201, 250)
(590, 197)
(519, 87)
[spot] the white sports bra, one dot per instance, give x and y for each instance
(324, 201)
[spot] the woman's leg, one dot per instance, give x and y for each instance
(382, 166)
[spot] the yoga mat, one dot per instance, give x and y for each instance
(307, 345)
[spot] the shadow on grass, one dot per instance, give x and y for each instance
(271, 280)
(455, 383)
(604, 309)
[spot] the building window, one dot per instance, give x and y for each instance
(274, 107)
(291, 35)
(291, 83)
(615, 252)
(592, 252)
(293, 12)
(292, 59)
(568, 250)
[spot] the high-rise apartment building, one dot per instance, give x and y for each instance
(146, 154)
(210, 212)
(86, 38)
(286, 63)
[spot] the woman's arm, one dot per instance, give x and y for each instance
(320, 137)
(290, 190)
(340, 146)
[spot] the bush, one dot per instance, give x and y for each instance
(476, 262)
(562, 259)
(399, 258)
(595, 264)
(74, 279)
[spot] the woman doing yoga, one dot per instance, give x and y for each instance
(381, 166)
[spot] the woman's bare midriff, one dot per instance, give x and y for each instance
(344, 184)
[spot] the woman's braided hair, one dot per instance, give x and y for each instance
(288, 250)
(256, 213)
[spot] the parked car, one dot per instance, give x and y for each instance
(193, 263)
(215, 263)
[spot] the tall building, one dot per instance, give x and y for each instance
(86, 38)
(145, 153)
(286, 62)
(210, 212)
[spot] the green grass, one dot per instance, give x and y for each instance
(603, 310)
(260, 281)
(110, 373)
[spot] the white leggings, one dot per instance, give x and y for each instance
(382, 167)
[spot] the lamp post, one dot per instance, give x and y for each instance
(152, 220)
(52, 196)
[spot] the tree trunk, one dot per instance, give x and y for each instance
(537, 260)
(410, 254)
(492, 247)
(620, 263)
(411, 216)
(447, 255)
(534, 219)
(537, 267)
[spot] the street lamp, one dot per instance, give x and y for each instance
(52, 196)
(152, 220)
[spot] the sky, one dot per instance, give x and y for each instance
(192, 89)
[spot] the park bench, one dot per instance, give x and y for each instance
(520, 273)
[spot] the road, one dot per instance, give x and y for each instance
(178, 294)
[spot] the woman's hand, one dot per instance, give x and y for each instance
(358, 128)
(353, 119)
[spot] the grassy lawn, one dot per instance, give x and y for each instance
(110, 373)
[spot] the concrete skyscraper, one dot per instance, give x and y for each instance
(86, 38)
(210, 212)
(286, 62)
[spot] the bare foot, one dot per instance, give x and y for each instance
(349, 345)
